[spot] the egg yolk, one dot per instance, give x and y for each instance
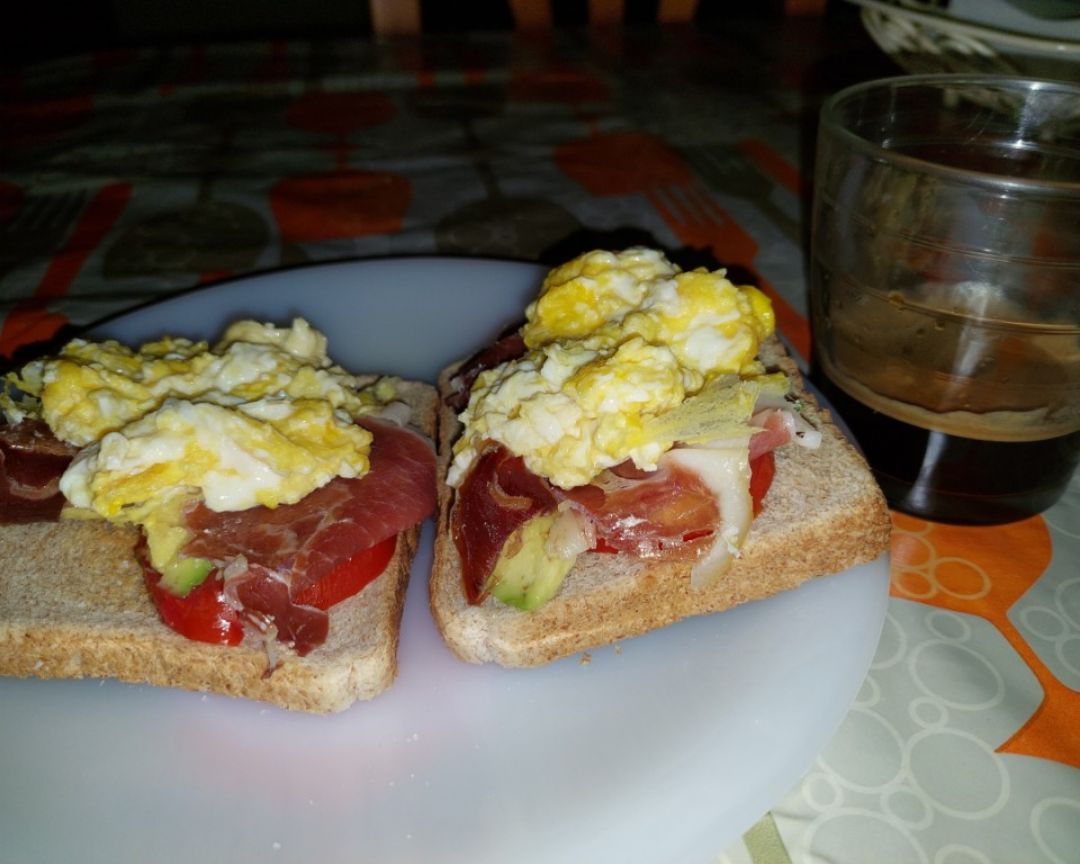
(262, 418)
(614, 341)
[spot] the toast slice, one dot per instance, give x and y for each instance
(73, 605)
(823, 514)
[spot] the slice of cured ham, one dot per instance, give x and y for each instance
(268, 555)
(32, 460)
(309, 538)
(509, 346)
(641, 513)
(648, 513)
(778, 427)
(497, 496)
(266, 602)
(674, 511)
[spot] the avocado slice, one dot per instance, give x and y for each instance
(182, 575)
(526, 576)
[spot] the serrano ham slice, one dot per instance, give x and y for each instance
(32, 460)
(640, 513)
(267, 556)
(647, 513)
(497, 496)
(509, 346)
(669, 512)
(309, 538)
(266, 602)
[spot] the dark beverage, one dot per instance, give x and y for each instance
(962, 419)
(945, 268)
(951, 478)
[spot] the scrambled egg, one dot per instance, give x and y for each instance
(616, 343)
(262, 418)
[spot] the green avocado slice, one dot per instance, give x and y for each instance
(526, 576)
(181, 576)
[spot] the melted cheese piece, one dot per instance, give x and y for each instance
(726, 472)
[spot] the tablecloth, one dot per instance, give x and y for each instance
(128, 175)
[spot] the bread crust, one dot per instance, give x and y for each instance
(823, 514)
(73, 604)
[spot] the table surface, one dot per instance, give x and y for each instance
(129, 175)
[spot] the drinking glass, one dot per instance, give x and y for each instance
(945, 288)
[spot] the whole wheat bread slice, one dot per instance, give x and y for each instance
(73, 604)
(823, 514)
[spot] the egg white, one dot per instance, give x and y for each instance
(262, 418)
(614, 340)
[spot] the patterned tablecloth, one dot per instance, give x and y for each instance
(125, 176)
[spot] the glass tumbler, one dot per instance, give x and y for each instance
(945, 288)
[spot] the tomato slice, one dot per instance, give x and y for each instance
(762, 471)
(203, 615)
(349, 576)
(603, 546)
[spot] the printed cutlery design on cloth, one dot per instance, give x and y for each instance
(34, 225)
(30, 318)
(342, 202)
(196, 230)
(734, 171)
(497, 225)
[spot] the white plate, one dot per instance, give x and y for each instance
(664, 748)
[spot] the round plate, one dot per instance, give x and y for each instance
(663, 748)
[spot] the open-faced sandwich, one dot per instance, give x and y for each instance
(640, 450)
(238, 519)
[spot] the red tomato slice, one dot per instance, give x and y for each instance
(349, 576)
(762, 471)
(605, 547)
(203, 615)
